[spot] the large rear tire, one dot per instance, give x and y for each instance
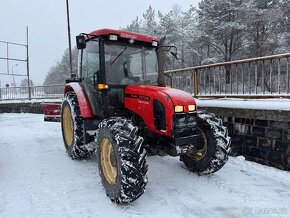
(212, 151)
(72, 128)
(121, 160)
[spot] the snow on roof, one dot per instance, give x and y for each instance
(258, 104)
(29, 101)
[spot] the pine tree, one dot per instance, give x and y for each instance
(221, 24)
(264, 27)
(149, 23)
(135, 26)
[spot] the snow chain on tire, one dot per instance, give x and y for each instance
(77, 149)
(218, 145)
(129, 159)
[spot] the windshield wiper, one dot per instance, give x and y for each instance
(149, 82)
(119, 55)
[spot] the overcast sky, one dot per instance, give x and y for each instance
(48, 28)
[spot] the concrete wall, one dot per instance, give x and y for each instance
(25, 107)
(262, 136)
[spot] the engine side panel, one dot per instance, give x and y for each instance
(140, 100)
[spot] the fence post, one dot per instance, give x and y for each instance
(29, 93)
(195, 82)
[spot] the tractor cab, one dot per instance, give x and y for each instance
(110, 60)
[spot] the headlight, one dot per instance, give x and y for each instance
(178, 109)
(154, 43)
(191, 107)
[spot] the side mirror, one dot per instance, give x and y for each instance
(81, 42)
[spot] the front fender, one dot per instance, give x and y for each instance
(84, 104)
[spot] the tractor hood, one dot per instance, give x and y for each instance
(156, 104)
(177, 97)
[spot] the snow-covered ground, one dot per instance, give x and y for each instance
(37, 179)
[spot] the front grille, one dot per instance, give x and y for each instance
(159, 115)
(184, 124)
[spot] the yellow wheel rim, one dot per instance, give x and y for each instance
(68, 127)
(200, 153)
(108, 161)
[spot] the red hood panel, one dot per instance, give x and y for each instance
(177, 96)
(140, 100)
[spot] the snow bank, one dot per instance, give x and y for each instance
(29, 101)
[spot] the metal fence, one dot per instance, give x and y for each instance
(261, 77)
(36, 92)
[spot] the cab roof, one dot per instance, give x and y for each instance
(124, 34)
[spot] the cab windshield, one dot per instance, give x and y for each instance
(129, 64)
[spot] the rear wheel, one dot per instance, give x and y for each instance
(213, 147)
(72, 128)
(121, 160)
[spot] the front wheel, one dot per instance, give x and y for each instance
(121, 160)
(72, 128)
(211, 152)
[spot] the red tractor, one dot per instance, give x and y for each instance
(120, 107)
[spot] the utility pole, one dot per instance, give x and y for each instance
(69, 40)
(27, 66)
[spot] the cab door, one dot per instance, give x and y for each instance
(89, 62)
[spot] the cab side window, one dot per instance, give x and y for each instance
(91, 63)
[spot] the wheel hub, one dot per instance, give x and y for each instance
(108, 161)
(113, 159)
(68, 127)
(201, 150)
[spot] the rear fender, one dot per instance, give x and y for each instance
(84, 104)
